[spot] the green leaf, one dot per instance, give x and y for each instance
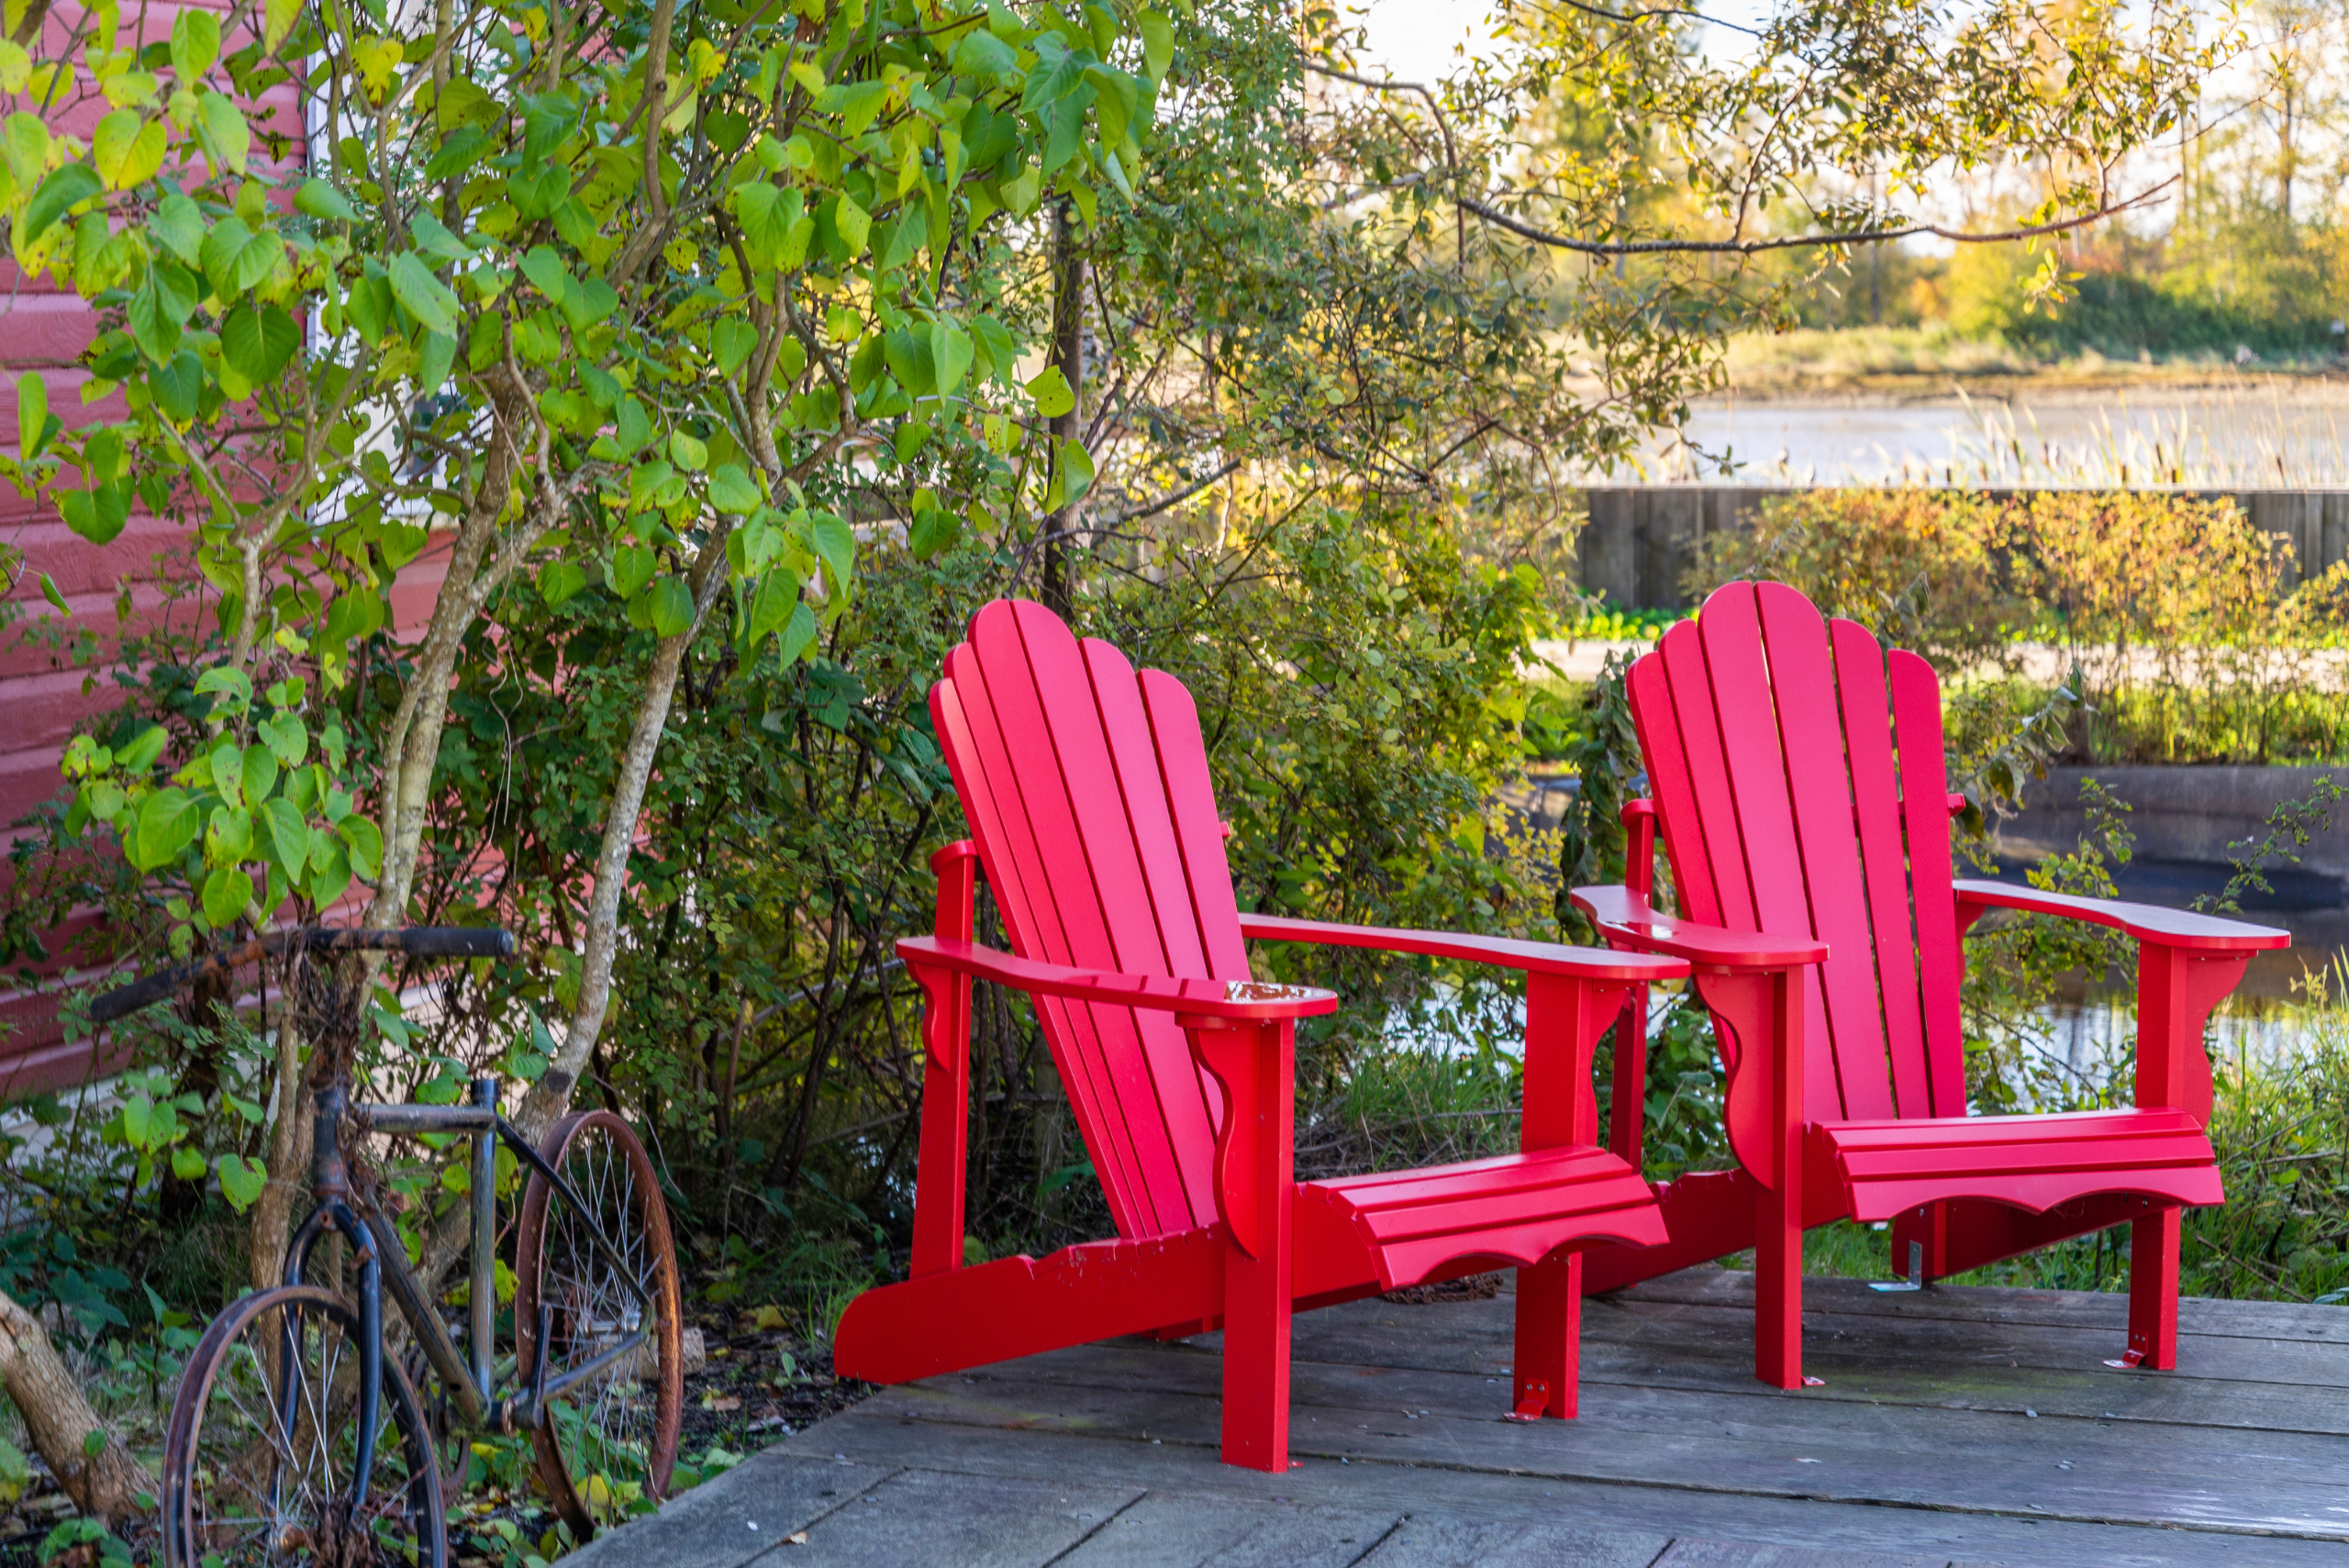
(54, 595)
(433, 238)
(364, 842)
(856, 102)
(1051, 390)
(835, 543)
(330, 868)
(224, 126)
(730, 342)
(1075, 475)
(854, 225)
(187, 1164)
(772, 606)
(195, 44)
(127, 149)
(242, 1181)
(258, 342)
(289, 836)
(166, 825)
(950, 355)
(260, 774)
(65, 188)
(691, 453)
(319, 200)
(934, 530)
(546, 271)
(798, 638)
(178, 386)
(280, 15)
(633, 568)
(560, 581)
(285, 739)
(99, 513)
(432, 367)
(1157, 45)
(179, 222)
(633, 426)
(140, 754)
(426, 297)
(731, 489)
(32, 415)
(673, 605)
(226, 893)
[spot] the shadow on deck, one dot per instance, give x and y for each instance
(1959, 1425)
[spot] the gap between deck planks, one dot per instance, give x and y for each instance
(1918, 1449)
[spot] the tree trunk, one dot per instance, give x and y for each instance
(1068, 353)
(62, 1423)
(289, 1157)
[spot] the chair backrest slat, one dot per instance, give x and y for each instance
(1820, 789)
(1924, 794)
(1798, 776)
(1079, 791)
(1875, 790)
(1731, 628)
(1718, 832)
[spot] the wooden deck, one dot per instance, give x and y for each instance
(1956, 1425)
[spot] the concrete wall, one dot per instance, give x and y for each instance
(1640, 540)
(2189, 814)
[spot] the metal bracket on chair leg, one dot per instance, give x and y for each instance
(1536, 1400)
(1916, 1279)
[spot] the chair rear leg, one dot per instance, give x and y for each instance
(1549, 1337)
(2153, 1290)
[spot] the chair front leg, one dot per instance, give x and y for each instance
(1763, 1012)
(2175, 991)
(945, 1086)
(1255, 1191)
(1563, 1018)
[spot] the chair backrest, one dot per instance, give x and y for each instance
(1086, 788)
(1796, 798)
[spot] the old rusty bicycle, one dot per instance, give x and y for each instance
(295, 1439)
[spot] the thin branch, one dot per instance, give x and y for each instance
(1153, 508)
(1793, 241)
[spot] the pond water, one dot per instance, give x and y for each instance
(2280, 434)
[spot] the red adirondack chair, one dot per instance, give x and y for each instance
(1087, 789)
(1794, 800)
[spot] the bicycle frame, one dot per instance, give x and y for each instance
(382, 1259)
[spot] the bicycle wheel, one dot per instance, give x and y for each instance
(608, 1441)
(260, 1463)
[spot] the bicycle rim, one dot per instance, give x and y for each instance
(607, 1444)
(260, 1458)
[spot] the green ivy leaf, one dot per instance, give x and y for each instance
(426, 297)
(731, 489)
(242, 1181)
(672, 606)
(226, 893)
(633, 568)
(63, 189)
(166, 824)
(289, 836)
(1051, 392)
(319, 200)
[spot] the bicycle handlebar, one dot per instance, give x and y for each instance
(422, 942)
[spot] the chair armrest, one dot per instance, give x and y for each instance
(1501, 952)
(1238, 1001)
(2181, 929)
(1622, 914)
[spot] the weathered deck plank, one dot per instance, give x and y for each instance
(1956, 1427)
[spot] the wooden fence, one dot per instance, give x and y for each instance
(1641, 539)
